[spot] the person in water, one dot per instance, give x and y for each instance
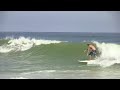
(91, 51)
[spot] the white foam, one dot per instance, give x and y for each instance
(22, 44)
(18, 78)
(43, 71)
(110, 54)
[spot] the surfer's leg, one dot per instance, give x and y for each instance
(90, 57)
(94, 54)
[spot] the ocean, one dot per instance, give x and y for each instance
(55, 55)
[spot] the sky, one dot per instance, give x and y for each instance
(60, 21)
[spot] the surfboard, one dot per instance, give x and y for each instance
(89, 62)
(85, 61)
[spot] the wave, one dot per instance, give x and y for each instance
(58, 52)
(22, 44)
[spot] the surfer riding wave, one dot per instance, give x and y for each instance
(91, 51)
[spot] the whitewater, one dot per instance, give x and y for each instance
(109, 54)
(22, 44)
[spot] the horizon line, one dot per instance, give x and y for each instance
(59, 32)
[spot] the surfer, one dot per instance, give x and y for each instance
(91, 51)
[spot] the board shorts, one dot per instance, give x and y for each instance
(93, 53)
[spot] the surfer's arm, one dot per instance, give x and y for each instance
(86, 50)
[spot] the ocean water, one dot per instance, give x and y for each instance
(55, 55)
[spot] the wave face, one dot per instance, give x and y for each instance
(59, 52)
(45, 54)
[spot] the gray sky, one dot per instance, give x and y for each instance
(60, 21)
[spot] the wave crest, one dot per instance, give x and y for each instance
(22, 44)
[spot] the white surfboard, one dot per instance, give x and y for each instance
(85, 61)
(89, 62)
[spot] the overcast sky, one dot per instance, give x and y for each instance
(60, 21)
